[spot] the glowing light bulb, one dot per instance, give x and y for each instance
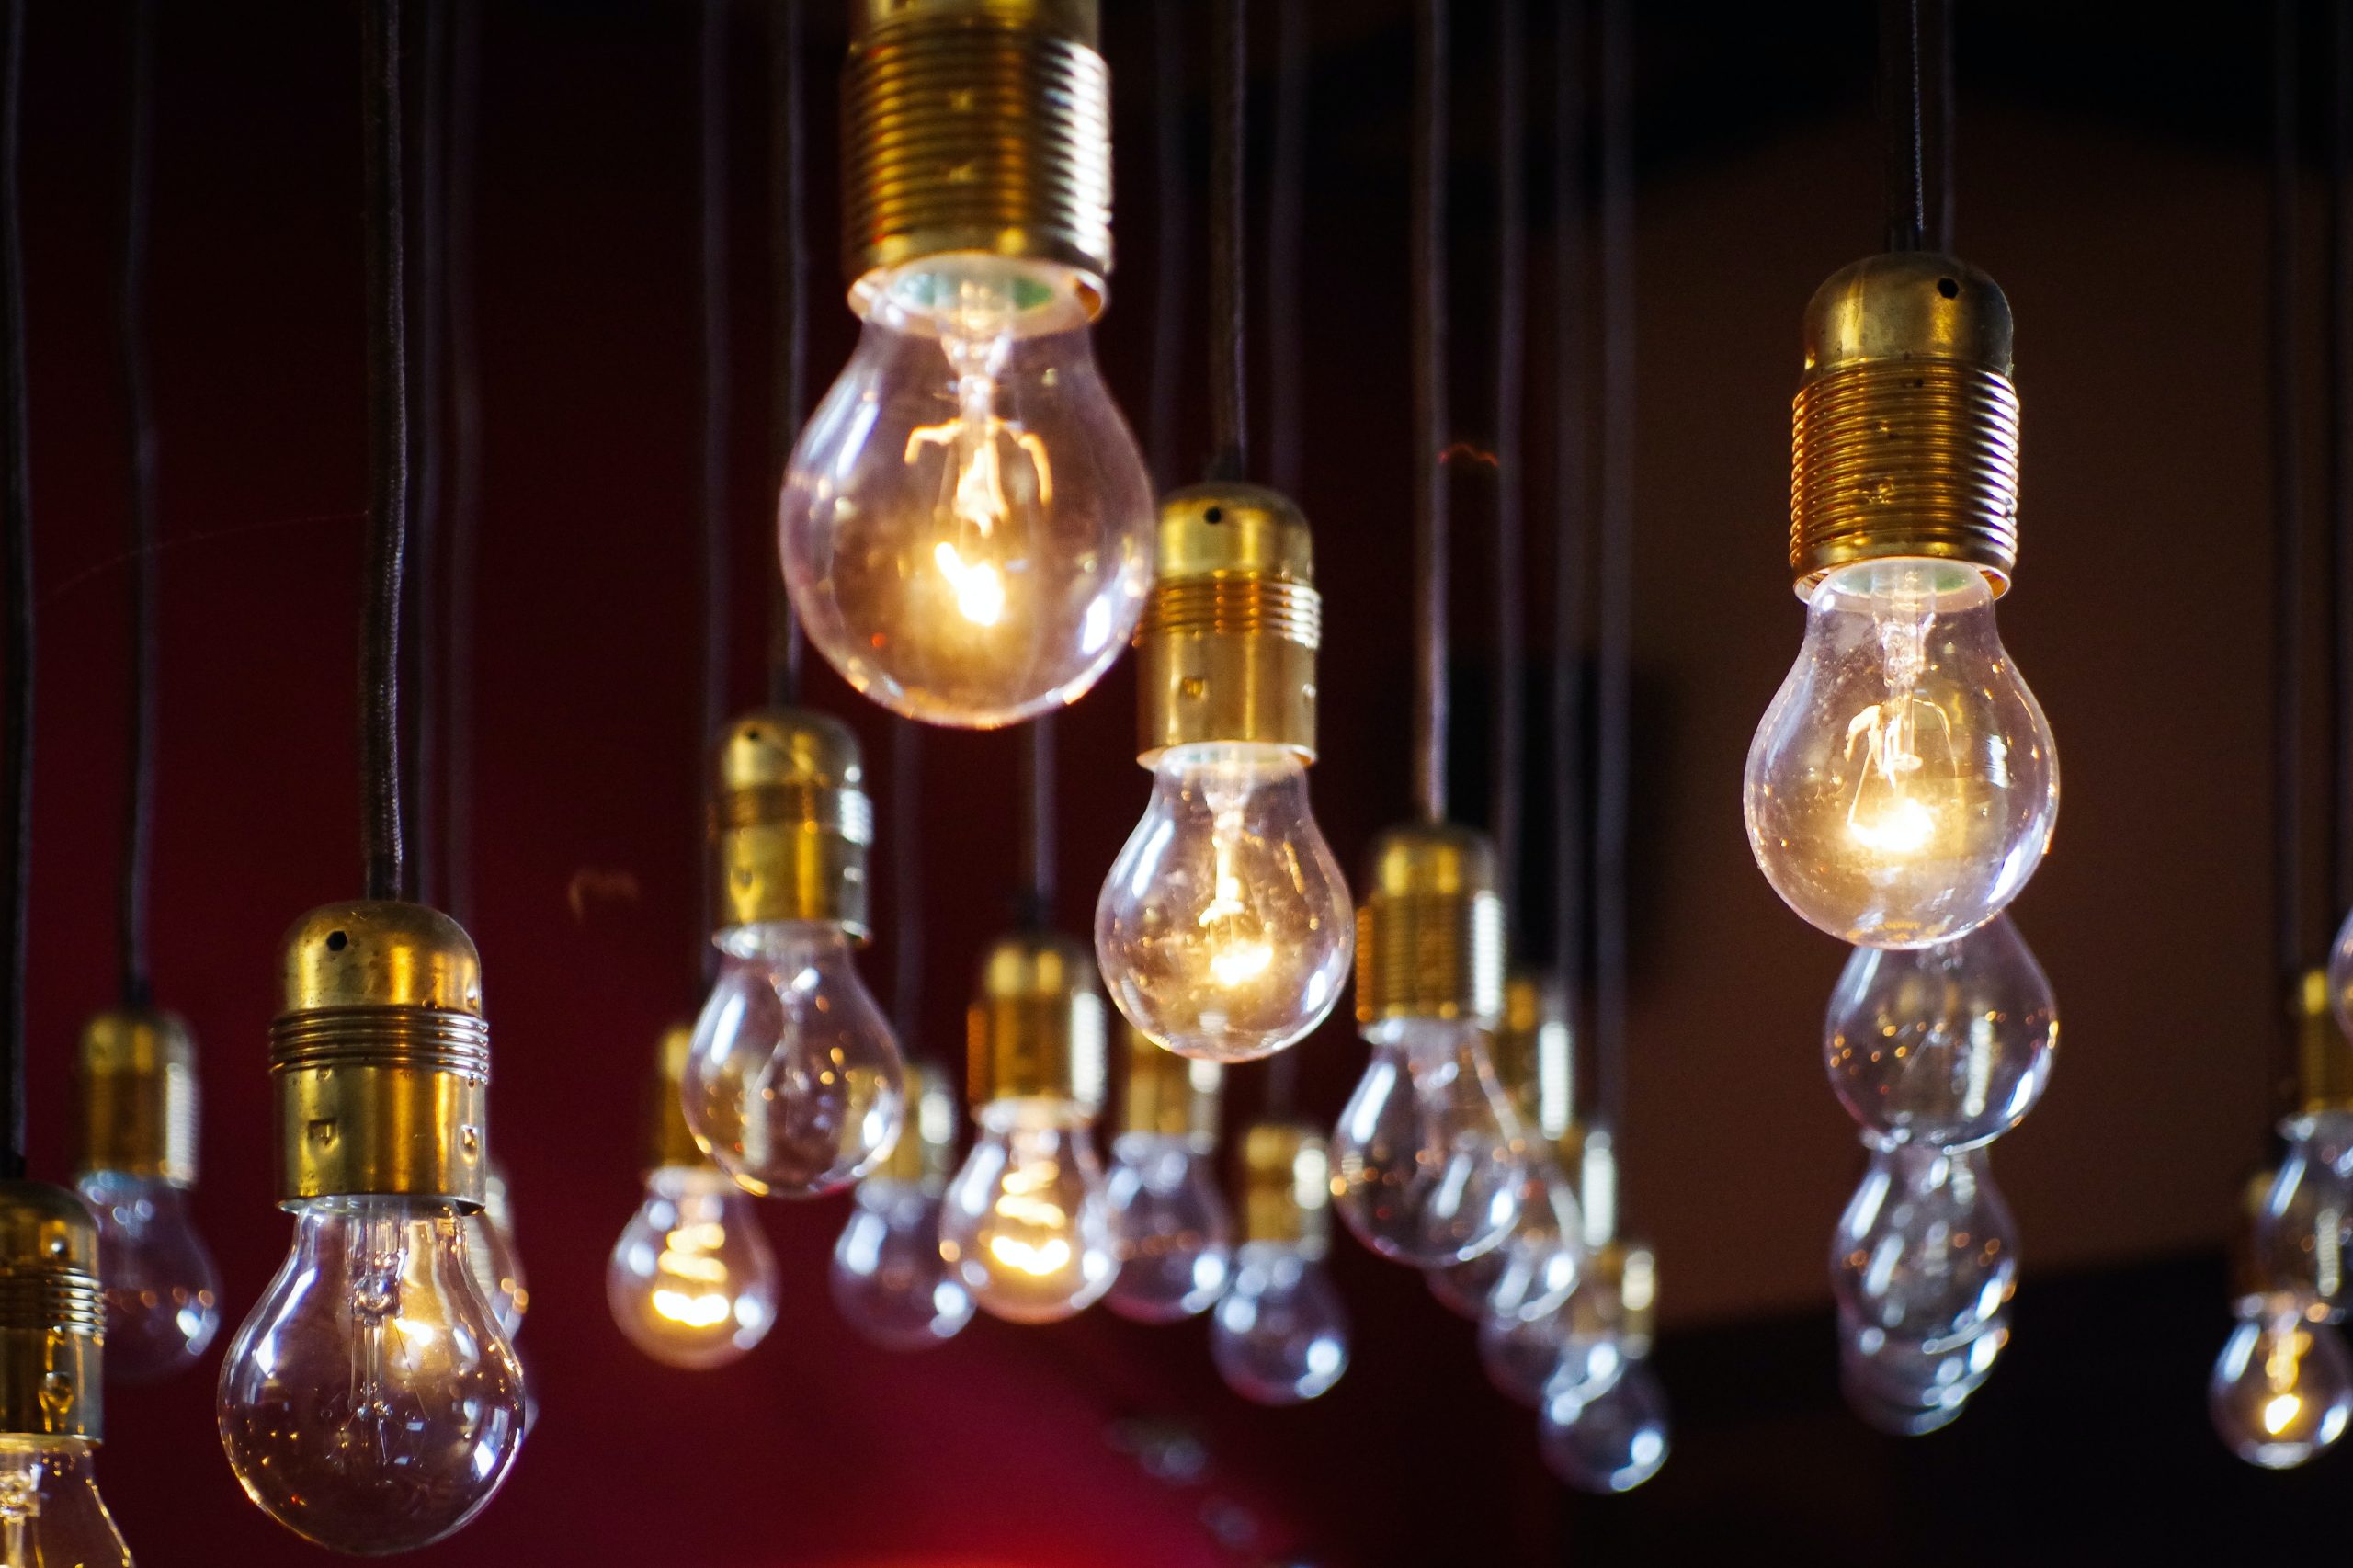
(372, 1404)
(1902, 785)
(1535, 1267)
(50, 1513)
(1900, 1388)
(1281, 1334)
(1173, 1236)
(1926, 1252)
(1428, 1160)
(2283, 1385)
(1949, 1045)
(162, 1294)
(691, 1280)
(794, 1084)
(490, 1243)
(1611, 1439)
(966, 524)
(889, 1279)
(1028, 1228)
(1224, 931)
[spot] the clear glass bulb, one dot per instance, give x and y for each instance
(498, 1266)
(1569, 1353)
(1028, 1227)
(692, 1281)
(1428, 1159)
(794, 1083)
(163, 1293)
(2305, 1231)
(889, 1280)
(1225, 930)
(50, 1513)
(1949, 1045)
(1927, 1251)
(1280, 1333)
(371, 1403)
(2340, 975)
(1532, 1272)
(967, 523)
(2282, 1386)
(1902, 785)
(1170, 1226)
(1611, 1440)
(1901, 1389)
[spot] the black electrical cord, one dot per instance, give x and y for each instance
(906, 882)
(1572, 443)
(1228, 407)
(2287, 521)
(1614, 685)
(389, 874)
(138, 808)
(1430, 418)
(1286, 244)
(17, 543)
(1510, 717)
(2340, 462)
(428, 535)
(1034, 907)
(715, 368)
(788, 233)
(1935, 123)
(1901, 106)
(1168, 265)
(465, 466)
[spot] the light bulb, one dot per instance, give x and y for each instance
(2340, 976)
(794, 1083)
(1611, 1440)
(1428, 1159)
(1224, 931)
(372, 1404)
(163, 1295)
(1535, 1267)
(1573, 1350)
(691, 1280)
(1902, 785)
(2282, 1386)
(1172, 1232)
(2305, 1230)
(1927, 1251)
(1901, 1389)
(1949, 1045)
(1280, 1333)
(490, 1243)
(1028, 1228)
(50, 1513)
(966, 524)
(889, 1280)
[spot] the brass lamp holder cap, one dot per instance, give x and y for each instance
(1286, 1187)
(1534, 1053)
(139, 1094)
(380, 1057)
(1905, 431)
(1629, 1271)
(977, 126)
(2323, 1056)
(52, 1314)
(668, 1140)
(1173, 1096)
(926, 1143)
(790, 822)
(1036, 1029)
(1226, 650)
(1430, 931)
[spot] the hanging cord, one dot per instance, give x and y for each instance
(1900, 63)
(1229, 79)
(2287, 523)
(1034, 905)
(138, 808)
(1935, 123)
(1572, 479)
(1614, 685)
(906, 882)
(788, 232)
(1430, 519)
(389, 874)
(1511, 372)
(714, 256)
(1168, 267)
(465, 468)
(16, 524)
(1286, 221)
(428, 535)
(2340, 462)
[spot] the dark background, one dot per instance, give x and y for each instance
(2111, 175)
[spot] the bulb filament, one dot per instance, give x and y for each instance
(1883, 816)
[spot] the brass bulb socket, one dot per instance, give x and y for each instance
(1597, 1170)
(2324, 1057)
(1226, 650)
(1430, 931)
(1534, 1056)
(52, 1314)
(926, 1149)
(790, 823)
(977, 126)
(1286, 1187)
(380, 1057)
(668, 1140)
(139, 1094)
(1904, 432)
(1173, 1096)
(1629, 1271)
(1036, 1029)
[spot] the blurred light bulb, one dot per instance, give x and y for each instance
(1902, 785)
(1949, 1045)
(966, 524)
(1428, 1160)
(691, 1280)
(2282, 1386)
(889, 1280)
(1028, 1228)
(372, 1404)
(794, 1083)
(162, 1294)
(1170, 1226)
(1573, 1350)
(2305, 1228)
(1532, 1272)
(1610, 1440)
(1926, 1252)
(490, 1243)
(1224, 929)
(50, 1513)
(1280, 1333)
(1905, 1391)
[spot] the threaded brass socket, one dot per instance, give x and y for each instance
(1904, 432)
(52, 1314)
(1534, 1056)
(2324, 1057)
(977, 125)
(1227, 648)
(380, 1057)
(1597, 1188)
(1167, 1093)
(927, 1147)
(790, 822)
(1286, 1187)
(1630, 1271)
(1035, 1031)
(1430, 931)
(668, 1140)
(139, 1094)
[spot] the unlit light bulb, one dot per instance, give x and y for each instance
(1900, 1388)
(1173, 1231)
(163, 1293)
(2282, 1387)
(1532, 1272)
(50, 1513)
(2304, 1232)
(1028, 1228)
(889, 1280)
(1280, 1333)
(691, 1280)
(1611, 1440)
(1426, 1156)
(1927, 1251)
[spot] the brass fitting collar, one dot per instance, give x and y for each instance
(1430, 931)
(977, 125)
(1533, 1052)
(139, 1094)
(1597, 1188)
(380, 1057)
(1629, 1271)
(1286, 1187)
(52, 1314)
(1036, 1029)
(927, 1144)
(790, 822)
(1226, 651)
(1170, 1095)
(2324, 1058)
(667, 1140)
(1904, 432)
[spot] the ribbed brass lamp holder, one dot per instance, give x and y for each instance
(977, 125)
(380, 1058)
(1036, 1029)
(1905, 433)
(1227, 648)
(139, 1105)
(1174, 1095)
(1286, 1187)
(2324, 1057)
(790, 822)
(52, 1314)
(1430, 931)
(668, 1139)
(1534, 1053)
(926, 1149)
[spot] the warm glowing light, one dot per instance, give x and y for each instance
(979, 590)
(1040, 1259)
(706, 1308)
(2279, 1413)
